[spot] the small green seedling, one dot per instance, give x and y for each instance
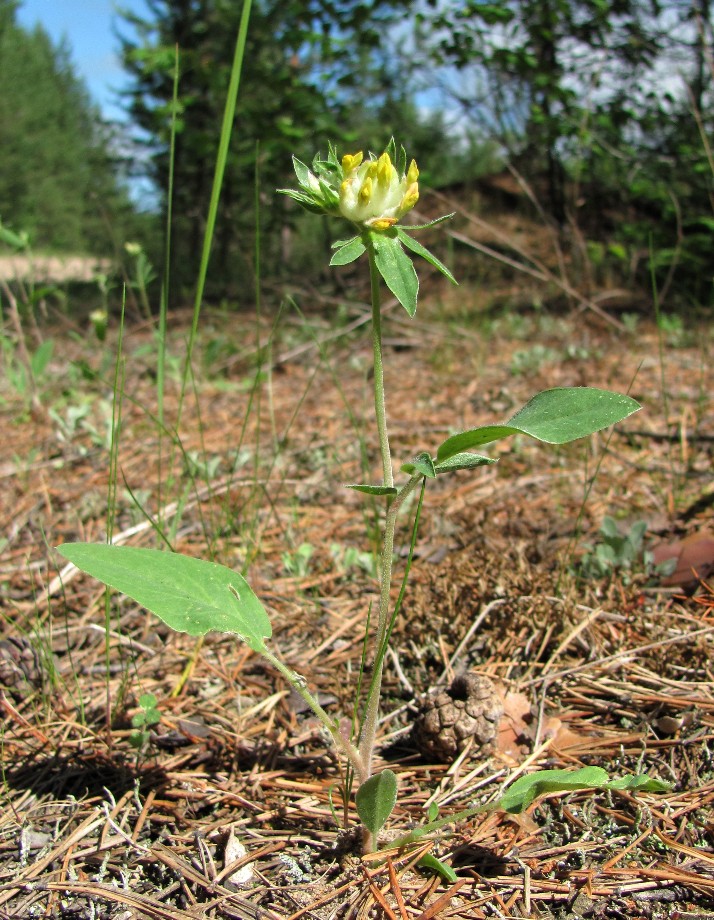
(195, 596)
(147, 716)
(622, 554)
(616, 551)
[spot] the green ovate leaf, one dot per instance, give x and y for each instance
(348, 252)
(397, 269)
(421, 463)
(429, 861)
(463, 462)
(416, 247)
(189, 595)
(554, 416)
(375, 800)
(527, 788)
(373, 490)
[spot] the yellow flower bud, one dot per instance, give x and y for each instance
(351, 161)
(385, 170)
(382, 223)
(413, 173)
(365, 193)
(410, 199)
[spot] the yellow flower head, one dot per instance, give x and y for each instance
(372, 192)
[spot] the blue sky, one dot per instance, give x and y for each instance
(88, 27)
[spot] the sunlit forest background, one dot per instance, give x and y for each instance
(593, 116)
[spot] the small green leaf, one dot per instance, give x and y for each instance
(463, 462)
(373, 490)
(431, 223)
(397, 269)
(429, 861)
(348, 252)
(423, 464)
(190, 595)
(41, 357)
(416, 247)
(302, 172)
(554, 416)
(376, 799)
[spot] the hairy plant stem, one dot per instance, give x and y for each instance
(368, 729)
(379, 406)
(299, 684)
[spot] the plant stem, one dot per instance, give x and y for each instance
(368, 729)
(300, 686)
(379, 406)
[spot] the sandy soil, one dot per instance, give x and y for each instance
(57, 269)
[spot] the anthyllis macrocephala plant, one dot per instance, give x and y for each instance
(373, 194)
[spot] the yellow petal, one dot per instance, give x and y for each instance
(351, 161)
(410, 198)
(413, 173)
(382, 223)
(385, 170)
(365, 193)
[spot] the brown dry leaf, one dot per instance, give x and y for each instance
(695, 560)
(565, 738)
(523, 821)
(514, 725)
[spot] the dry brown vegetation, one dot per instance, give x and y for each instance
(615, 671)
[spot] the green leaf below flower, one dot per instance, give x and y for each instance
(417, 248)
(349, 251)
(397, 269)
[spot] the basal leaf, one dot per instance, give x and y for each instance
(429, 861)
(527, 788)
(376, 799)
(639, 783)
(190, 595)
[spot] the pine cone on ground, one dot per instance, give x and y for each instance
(20, 665)
(470, 708)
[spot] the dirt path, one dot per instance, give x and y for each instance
(51, 269)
